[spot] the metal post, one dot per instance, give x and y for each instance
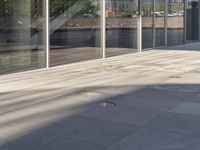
(166, 24)
(103, 28)
(139, 34)
(153, 24)
(47, 31)
(185, 22)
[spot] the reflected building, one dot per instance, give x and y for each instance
(122, 6)
(72, 30)
(127, 5)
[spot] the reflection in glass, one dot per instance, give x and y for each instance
(192, 20)
(159, 23)
(175, 22)
(74, 31)
(21, 35)
(147, 23)
(121, 26)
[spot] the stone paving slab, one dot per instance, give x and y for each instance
(187, 109)
(195, 98)
(155, 139)
(94, 131)
(177, 123)
(46, 142)
(120, 114)
(152, 98)
(188, 83)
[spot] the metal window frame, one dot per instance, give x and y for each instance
(103, 28)
(139, 28)
(166, 23)
(153, 24)
(47, 42)
(185, 23)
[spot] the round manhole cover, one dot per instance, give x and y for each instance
(106, 104)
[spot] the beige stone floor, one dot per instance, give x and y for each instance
(58, 107)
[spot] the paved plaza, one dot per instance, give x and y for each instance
(153, 102)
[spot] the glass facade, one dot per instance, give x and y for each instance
(21, 35)
(33, 36)
(74, 31)
(121, 26)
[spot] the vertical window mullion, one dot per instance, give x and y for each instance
(47, 32)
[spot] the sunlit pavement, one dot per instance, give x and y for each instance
(153, 104)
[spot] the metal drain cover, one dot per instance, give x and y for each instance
(106, 104)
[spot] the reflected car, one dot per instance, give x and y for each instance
(88, 15)
(159, 14)
(171, 15)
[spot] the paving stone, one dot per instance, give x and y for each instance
(188, 83)
(187, 109)
(46, 142)
(157, 100)
(125, 115)
(29, 142)
(154, 139)
(68, 144)
(179, 87)
(90, 130)
(195, 98)
(177, 123)
(156, 93)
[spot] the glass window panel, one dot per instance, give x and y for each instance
(121, 26)
(175, 22)
(74, 31)
(159, 23)
(147, 23)
(21, 35)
